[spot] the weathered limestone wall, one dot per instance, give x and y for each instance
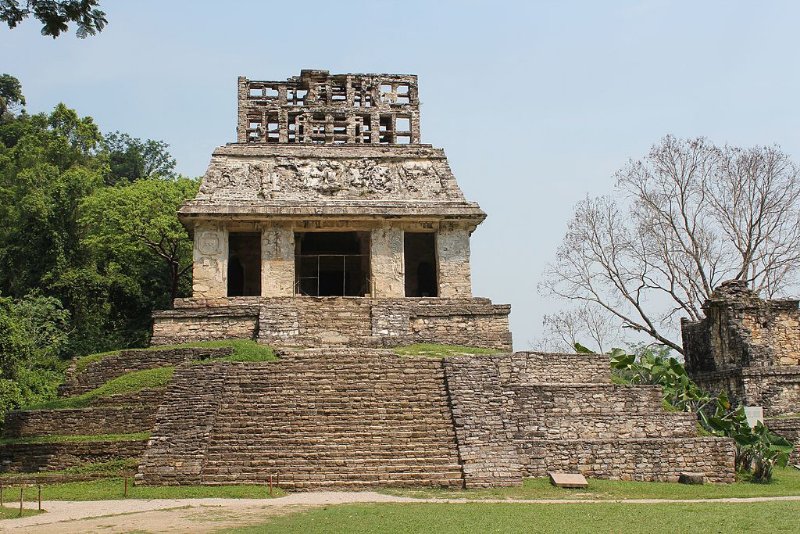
(517, 415)
(633, 459)
(204, 324)
(277, 269)
(388, 279)
(101, 371)
(318, 321)
(452, 244)
(33, 457)
(83, 421)
(210, 257)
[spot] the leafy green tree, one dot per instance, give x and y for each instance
(10, 94)
(125, 225)
(132, 159)
(55, 15)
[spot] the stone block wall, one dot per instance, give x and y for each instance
(654, 459)
(101, 371)
(521, 415)
(83, 421)
(33, 457)
(320, 321)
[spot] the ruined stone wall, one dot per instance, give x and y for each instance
(97, 373)
(83, 421)
(33, 457)
(184, 325)
(748, 347)
(518, 415)
(483, 424)
(633, 459)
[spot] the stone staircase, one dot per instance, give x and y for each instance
(322, 418)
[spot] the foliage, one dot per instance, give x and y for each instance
(55, 15)
(756, 447)
(681, 220)
(10, 93)
(67, 234)
(131, 159)
(33, 335)
(129, 228)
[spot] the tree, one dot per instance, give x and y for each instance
(10, 94)
(55, 15)
(566, 328)
(127, 223)
(132, 159)
(681, 220)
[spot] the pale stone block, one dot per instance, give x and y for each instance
(278, 265)
(210, 269)
(386, 258)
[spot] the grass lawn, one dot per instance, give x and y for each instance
(111, 468)
(10, 511)
(484, 517)
(114, 488)
(432, 350)
(785, 481)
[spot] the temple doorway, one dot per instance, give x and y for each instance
(332, 264)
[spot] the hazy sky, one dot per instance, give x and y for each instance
(536, 103)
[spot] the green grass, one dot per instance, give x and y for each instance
(137, 436)
(10, 510)
(244, 350)
(113, 488)
(786, 481)
(483, 517)
(432, 350)
(127, 383)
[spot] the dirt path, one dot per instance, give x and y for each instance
(209, 515)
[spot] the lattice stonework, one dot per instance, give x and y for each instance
(319, 108)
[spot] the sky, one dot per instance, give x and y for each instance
(536, 103)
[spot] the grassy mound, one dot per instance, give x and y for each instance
(128, 383)
(137, 436)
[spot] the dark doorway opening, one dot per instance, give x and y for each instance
(244, 264)
(420, 264)
(332, 264)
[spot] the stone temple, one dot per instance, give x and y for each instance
(329, 222)
(329, 232)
